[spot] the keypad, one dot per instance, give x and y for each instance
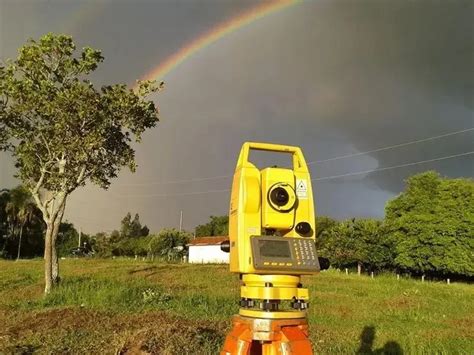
(305, 252)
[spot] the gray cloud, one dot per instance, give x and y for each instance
(334, 77)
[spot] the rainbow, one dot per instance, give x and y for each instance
(216, 33)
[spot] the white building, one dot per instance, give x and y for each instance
(207, 250)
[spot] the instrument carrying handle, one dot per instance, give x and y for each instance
(299, 163)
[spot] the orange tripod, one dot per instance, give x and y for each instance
(251, 336)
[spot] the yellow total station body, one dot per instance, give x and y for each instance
(272, 234)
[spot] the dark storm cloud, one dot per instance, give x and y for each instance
(335, 77)
(134, 36)
(341, 75)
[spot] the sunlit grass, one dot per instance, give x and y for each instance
(106, 305)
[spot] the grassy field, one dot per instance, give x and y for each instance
(132, 307)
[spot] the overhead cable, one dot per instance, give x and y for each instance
(315, 179)
(310, 163)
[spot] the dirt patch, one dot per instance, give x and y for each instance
(400, 303)
(52, 319)
(96, 331)
(463, 326)
(177, 337)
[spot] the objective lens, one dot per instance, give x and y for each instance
(279, 196)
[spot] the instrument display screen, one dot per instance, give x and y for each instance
(283, 254)
(273, 248)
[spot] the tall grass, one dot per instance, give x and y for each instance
(176, 306)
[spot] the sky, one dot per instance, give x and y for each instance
(334, 77)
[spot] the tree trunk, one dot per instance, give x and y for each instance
(19, 243)
(48, 259)
(55, 265)
(55, 261)
(51, 265)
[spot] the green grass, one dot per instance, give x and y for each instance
(127, 306)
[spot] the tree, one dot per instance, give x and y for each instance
(68, 239)
(135, 227)
(323, 224)
(4, 197)
(169, 244)
(145, 231)
(323, 234)
(132, 228)
(376, 248)
(26, 214)
(64, 132)
(20, 210)
(114, 236)
(18, 214)
(432, 223)
(342, 247)
(217, 226)
(125, 225)
(356, 242)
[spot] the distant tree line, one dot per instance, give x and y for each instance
(134, 240)
(22, 234)
(217, 226)
(428, 230)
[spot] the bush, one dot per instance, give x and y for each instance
(169, 244)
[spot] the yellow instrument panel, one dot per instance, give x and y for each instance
(271, 218)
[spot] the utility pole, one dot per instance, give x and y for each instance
(80, 236)
(181, 220)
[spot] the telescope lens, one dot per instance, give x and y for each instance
(279, 196)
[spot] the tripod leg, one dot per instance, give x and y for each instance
(295, 340)
(238, 341)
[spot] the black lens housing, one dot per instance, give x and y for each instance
(324, 263)
(303, 228)
(225, 246)
(279, 196)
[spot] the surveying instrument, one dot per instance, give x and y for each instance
(271, 244)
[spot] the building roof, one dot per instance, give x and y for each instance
(217, 240)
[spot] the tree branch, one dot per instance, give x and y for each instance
(46, 145)
(81, 175)
(36, 196)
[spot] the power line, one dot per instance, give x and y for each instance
(315, 179)
(390, 147)
(310, 163)
(391, 167)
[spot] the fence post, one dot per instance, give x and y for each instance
(372, 274)
(347, 271)
(448, 281)
(398, 277)
(422, 278)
